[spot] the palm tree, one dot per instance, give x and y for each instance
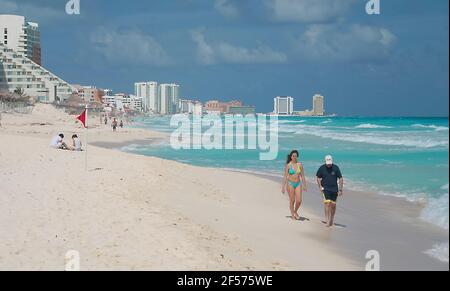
(20, 92)
(18, 96)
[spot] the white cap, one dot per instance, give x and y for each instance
(329, 160)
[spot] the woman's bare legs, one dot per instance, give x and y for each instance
(298, 200)
(291, 191)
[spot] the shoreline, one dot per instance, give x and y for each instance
(131, 211)
(126, 211)
(399, 211)
(395, 214)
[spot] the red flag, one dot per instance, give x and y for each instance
(82, 118)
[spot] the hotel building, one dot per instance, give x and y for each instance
(190, 107)
(217, 107)
(186, 106)
(123, 102)
(90, 93)
(17, 71)
(318, 105)
(148, 91)
(168, 96)
(198, 109)
(21, 36)
(283, 105)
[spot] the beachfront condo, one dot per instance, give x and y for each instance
(283, 105)
(17, 71)
(318, 105)
(124, 102)
(186, 106)
(148, 91)
(21, 36)
(89, 93)
(168, 96)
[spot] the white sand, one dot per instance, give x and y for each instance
(119, 214)
(131, 212)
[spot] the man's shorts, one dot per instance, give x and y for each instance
(330, 197)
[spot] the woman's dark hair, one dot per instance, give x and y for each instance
(74, 136)
(61, 135)
(289, 157)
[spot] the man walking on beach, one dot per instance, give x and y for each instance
(328, 177)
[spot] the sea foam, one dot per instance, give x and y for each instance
(371, 126)
(393, 139)
(439, 251)
(435, 127)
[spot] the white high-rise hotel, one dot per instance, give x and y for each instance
(162, 99)
(283, 105)
(21, 36)
(168, 98)
(148, 91)
(20, 58)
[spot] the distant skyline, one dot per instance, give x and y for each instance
(392, 64)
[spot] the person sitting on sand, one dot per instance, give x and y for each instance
(76, 143)
(121, 124)
(58, 142)
(328, 176)
(295, 182)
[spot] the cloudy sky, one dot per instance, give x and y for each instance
(396, 63)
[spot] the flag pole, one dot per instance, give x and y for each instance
(86, 140)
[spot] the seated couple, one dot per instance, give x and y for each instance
(58, 143)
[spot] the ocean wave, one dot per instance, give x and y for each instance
(289, 128)
(436, 211)
(413, 197)
(291, 121)
(138, 148)
(393, 139)
(435, 127)
(133, 148)
(371, 126)
(439, 251)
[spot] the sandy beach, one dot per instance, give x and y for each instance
(131, 212)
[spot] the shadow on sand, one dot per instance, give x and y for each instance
(336, 224)
(300, 219)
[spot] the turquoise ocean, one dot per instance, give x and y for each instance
(402, 157)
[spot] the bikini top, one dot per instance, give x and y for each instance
(292, 171)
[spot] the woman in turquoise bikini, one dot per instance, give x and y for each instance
(295, 182)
